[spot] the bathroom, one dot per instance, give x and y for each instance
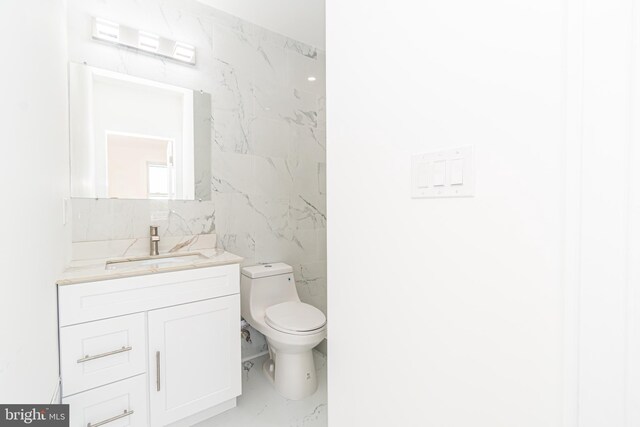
(196, 150)
(346, 213)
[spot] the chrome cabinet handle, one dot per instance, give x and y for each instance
(157, 371)
(109, 353)
(126, 413)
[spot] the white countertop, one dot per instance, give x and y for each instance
(94, 270)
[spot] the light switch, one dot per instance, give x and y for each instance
(423, 175)
(445, 173)
(457, 172)
(439, 173)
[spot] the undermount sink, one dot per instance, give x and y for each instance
(154, 261)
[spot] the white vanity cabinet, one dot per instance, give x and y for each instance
(154, 350)
(197, 369)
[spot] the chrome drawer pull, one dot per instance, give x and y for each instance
(107, 421)
(98, 356)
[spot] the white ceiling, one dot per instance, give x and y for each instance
(301, 20)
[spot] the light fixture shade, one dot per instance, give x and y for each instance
(148, 41)
(184, 52)
(108, 31)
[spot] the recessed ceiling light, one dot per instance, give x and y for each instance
(311, 79)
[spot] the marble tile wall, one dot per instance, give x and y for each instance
(269, 152)
(268, 135)
(115, 219)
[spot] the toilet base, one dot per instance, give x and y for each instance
(268, 367)
(292, 374)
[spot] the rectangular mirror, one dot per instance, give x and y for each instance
(133, 138)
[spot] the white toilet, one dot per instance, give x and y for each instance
(270, 304)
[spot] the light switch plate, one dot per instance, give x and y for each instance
(447, 173)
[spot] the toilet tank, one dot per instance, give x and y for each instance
(262, 286)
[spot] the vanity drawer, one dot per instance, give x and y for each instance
(85, 302)
(97, 353)
(115, 405)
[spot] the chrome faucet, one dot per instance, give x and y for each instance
(155, 239)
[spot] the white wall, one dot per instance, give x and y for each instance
(33, 183)
(446, 312)
(608, 343)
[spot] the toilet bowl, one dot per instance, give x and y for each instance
(270, 303)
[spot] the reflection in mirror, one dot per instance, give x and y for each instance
(139, 167)
(133, 138)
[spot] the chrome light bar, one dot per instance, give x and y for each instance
(145, 41)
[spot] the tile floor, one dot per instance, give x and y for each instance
(261, 406)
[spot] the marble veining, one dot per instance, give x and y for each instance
(122, 248)
(261, 406)
(113, 219)
(95, 270)
(256, 346)
(268, 138)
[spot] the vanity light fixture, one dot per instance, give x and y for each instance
(112, 32)
(184, 52)
(148, 41)
(106, 30)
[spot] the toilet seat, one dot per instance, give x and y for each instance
(295, 317)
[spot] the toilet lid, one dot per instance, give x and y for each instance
(295, 316)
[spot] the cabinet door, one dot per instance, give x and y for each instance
(194, 357)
